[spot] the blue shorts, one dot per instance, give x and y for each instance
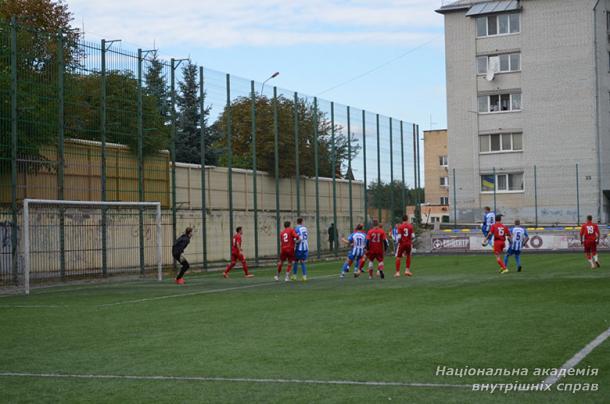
(301, 255)
(485, 231)
(510, 251)
(354, 258)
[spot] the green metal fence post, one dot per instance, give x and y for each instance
(334, 175)
(419, 189)
(276, 157)
(254, 174)
(402, 167)
(577, 197)
(172, 148)
(378, 169)
(391, 175)
(140, 162)
(415, 186)
(61, 163)
(366, 203)
(495, 186)
(454, 201)
(14, 240)
(349, 170)
(317, 172)
(297, 152)
(103, 159)
(536, 194)
(202, 129)
(230, 157)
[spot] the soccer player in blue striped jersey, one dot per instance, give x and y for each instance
(489, 218)
(519, 237)
(395, 238)
(302, 250)
(357, 242)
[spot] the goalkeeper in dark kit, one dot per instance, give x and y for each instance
(177, 250)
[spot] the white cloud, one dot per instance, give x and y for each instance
(214, 23)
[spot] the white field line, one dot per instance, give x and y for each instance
(580, 355)
(31, 306)
(201, 292)
(235, 380)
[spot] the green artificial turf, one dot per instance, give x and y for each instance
(457, 312)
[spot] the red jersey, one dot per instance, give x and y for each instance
(499, 231)
(405, 231)
(236, 244)
(287, 239)
(376, 239)
(590, 231)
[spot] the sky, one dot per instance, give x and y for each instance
(385, 56)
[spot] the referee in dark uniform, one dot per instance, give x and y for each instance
(177, 250)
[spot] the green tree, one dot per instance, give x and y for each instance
(389, 196)
(188, 147)
(156, 85)
(241, 128)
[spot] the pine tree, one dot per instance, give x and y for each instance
(156, 85)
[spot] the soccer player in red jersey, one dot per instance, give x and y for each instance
(287, 242)
(589, 238)
(500, 233)
(405, 245)
(376, 244)
(237, 255)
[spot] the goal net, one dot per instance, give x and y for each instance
(84, 240)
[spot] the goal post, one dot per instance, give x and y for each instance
(89, 239)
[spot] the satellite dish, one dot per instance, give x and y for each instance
(493, 68)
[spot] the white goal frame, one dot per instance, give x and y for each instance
(26, 228)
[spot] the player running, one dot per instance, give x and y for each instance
(376, 244)
(405, 246)
(589, 238)
(237, 255)
(519, 239)
(177, 250)
(500, 233)
(357, 242)
(302, 250)
(287, 241)
(489, 218)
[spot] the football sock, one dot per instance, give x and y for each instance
(279, 268)
(303, 269)
(229, 267)
(595, 258)
(294, 268)
(518, 259)
(345, 267)
(398, 264)
(506, 259)
(500, 262)
(245, 265)
(370, 271)
(409, 262)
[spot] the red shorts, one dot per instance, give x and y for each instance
(235, 256)
(374, 255)
(498, 247)
(287, 255)
(590, 247)
(403, 250)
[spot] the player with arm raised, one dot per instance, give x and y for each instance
(589, 238)
(405, 245)
(489, 218)
(500, 233)
(302, 249)
(237, 254)
(357, 242)
(376, 245)
(287, 242)
(519, 239)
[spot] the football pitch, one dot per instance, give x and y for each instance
(454, 328)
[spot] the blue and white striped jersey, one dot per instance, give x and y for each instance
(303, 245)
(488, 220)
(395, 235)
(518, 235)
(358, 240)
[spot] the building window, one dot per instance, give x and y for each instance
(444, 181)
(444, 200)
(443, 161)
(509, 62)
(512, 182)
(501, 24)
(499, 103)
(501, 142)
